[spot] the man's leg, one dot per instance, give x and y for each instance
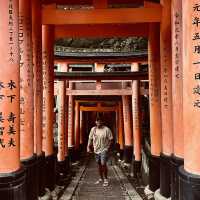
(105, 170)
(98, 160)
(104, 158)
(100, 170)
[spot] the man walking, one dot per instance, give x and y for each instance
(100, 138)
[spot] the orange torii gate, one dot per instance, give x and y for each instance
(154, 20)
(99, 108)
(118, 92)
(101, 16)
(101, 58)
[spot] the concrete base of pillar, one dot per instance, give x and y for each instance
(136, 168)
(41, 174)
(189, 185)
(128, 154)
(175, 164)
(30, 166)
(13, 185)
(165, 175)
(158, 196)
(50, 170)
(154, 173)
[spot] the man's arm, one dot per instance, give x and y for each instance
(110, 137)
(90, 139)
(110, 144)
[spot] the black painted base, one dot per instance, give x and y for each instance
(31, 178)
(77, 154)
(175, 164)
(41, 174)
(68, 164)
(50, 171)
(121, 154)
(128, 154)
(117, 147)
(189, 185)
(72, 154)
(61, 172)
(55, 149)
(154, 173)
(165, 175)
(136, 168)
(13, 185)
(82, 148)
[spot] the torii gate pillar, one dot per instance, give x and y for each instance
(38, 92)
(27, 156)
(77, 130)
(166, 100)
(154, 106)
(12, 175)
(177, 97)
(48, 103)
(128, 136)
(136, 123)
(189, 174)
(71, 141)
(62, 168)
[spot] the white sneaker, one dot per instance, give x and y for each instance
(105, 183)
(99, 181)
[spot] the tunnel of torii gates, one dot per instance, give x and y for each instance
(28, 30)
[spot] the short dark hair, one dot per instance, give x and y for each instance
(99, 117)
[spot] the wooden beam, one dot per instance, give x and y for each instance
(149, 4)
(104, 30)
(95, 101)
(99, 109)
(115, 92)
(125, 1)
(100, 4)
(89, 2)
(101, 16)
(101, 76)
(142, 92)
(68, 2)
(100, 60)
(100, 57)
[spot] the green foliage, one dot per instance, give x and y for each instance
(129, 44)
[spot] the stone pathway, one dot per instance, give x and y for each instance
(119, 188)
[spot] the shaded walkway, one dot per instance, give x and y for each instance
(117, 188)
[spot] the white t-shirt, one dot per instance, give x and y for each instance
(101, 138)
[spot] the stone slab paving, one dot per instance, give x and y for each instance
(119, 188)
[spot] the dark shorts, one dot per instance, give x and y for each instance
(102, 157)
